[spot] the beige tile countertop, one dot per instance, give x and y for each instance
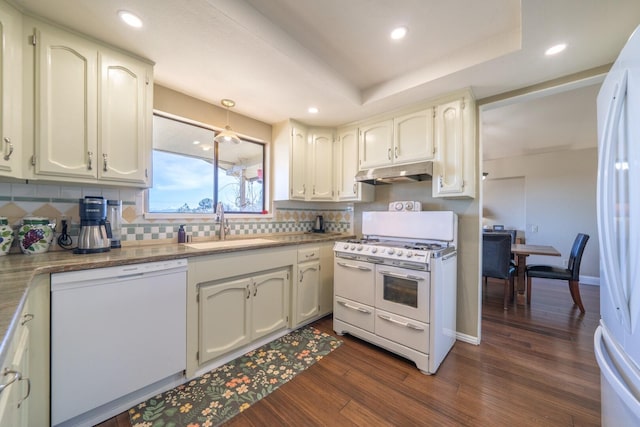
(18, 270)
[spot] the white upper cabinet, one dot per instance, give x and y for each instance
(404, 139)
(321, 167)
(454, 168)
(303, 162)
(413, 137)
(10, 96)
(346, 167)
(93, 111)
(376, 144)
(123, 108)
(290, 161)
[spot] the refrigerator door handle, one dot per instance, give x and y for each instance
(621, 388)
(606, 204)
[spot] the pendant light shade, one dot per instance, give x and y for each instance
(227, 135)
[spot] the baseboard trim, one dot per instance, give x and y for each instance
(590, 280)
(467, 338)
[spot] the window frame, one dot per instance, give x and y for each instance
(267, 213)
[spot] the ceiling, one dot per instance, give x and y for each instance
(276, 58)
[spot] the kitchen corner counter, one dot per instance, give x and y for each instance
(18, 270)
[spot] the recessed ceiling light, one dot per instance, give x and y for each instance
(196, 142)
(399, 33)
(556, 49)
(130, 19)
(313, 110)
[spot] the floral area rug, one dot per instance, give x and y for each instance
(220, 394)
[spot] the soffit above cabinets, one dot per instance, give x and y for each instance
(275, 58)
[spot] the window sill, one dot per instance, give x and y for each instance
(204, 217)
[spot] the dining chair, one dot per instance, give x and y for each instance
(571, 273)
(496, 262)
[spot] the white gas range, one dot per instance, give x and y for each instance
(396, 287)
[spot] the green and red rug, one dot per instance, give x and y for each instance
(224, 392)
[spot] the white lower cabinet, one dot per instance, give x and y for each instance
(313, 290)
(24, 374)
(234, 312)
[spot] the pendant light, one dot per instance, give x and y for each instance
(227, 135)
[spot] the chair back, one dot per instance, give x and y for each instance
(496, 255)
(512, 233)
(576, 255)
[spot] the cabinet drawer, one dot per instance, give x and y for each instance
(402, 330)
(357, 314)
(308, 254)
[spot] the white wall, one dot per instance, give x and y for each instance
(559, 200)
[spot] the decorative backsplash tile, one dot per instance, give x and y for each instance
(61, 202)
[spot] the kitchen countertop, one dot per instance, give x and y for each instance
(18, 270)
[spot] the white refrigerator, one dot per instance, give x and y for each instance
(617, 338)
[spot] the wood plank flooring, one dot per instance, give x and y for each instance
(535, 366)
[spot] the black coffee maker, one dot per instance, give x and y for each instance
(93, 236)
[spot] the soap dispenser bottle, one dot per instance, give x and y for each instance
(182, 235)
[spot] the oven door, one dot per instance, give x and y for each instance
(354, 280)
(402, 291)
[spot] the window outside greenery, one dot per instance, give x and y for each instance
(192, 173)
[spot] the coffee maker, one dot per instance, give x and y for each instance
(93, 236)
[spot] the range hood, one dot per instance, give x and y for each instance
(396, 173)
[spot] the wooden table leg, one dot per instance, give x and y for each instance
(520, 282)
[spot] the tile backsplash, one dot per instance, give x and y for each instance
(58, 202)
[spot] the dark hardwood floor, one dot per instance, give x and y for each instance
(534, 366)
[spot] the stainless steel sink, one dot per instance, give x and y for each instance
(214, 244)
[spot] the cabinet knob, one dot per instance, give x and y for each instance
(10, 145)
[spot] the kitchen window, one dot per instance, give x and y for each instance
(192, 173)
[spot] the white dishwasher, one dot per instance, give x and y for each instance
(114, 331)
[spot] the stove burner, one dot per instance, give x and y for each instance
(424, 246)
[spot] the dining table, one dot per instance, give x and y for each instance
(521, 252)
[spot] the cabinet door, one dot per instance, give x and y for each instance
(413, 137)
(298, 184)
(14, 399)
(123, 140)
(270, 302)
(66, 104)
(308, 292)
(346, 154)
(375, 145)
(448, 169)
(224, 317)
(10, 87)
(326, 279)
(321, 166)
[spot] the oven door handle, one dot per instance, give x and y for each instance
(358, 267)
(400, 276)
(353, 307)
(397, 322)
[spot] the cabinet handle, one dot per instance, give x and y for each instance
(405, 324)
(104, 163)
(255, 290)
(304, 189)
(401, 276)
(17, 376)
(440, 182)
(354, 188)
(314, 190)
(353, 307)
(26, 318)
(90, 160)
(389, 154)
(357, 267)
(8, 142)
(248, 292)
(26, 396)
(396, 152)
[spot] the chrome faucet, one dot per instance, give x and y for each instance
(224, 226)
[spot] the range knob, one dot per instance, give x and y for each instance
(346, 246)
(353, 247)
(359, 247)
(374, 250)
(399, 253)
(409, 254)
(390, 251)
(398, 206)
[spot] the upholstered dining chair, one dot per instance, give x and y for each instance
(571, 273)
(496, 262)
